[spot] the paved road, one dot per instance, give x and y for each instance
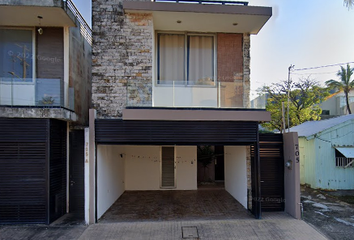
(274, 226)
(332, 217)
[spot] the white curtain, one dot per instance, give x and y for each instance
(201, 60)
(171, 58)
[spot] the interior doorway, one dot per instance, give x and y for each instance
(219, 164)
(211, 172)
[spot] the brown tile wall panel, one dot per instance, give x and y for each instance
(230, 69)
(50, 53)
(230, 57)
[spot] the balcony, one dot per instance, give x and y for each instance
(176, 94)
(40, 92)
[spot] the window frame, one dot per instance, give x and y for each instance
(342, 163)
(34, 56)
(186, 59)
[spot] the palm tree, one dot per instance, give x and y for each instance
(349, 3)
(345, 84)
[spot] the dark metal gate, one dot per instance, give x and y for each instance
(76, 173)
(272, 172)
(32, 170)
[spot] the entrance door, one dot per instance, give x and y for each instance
(168, 167)
(76, 173)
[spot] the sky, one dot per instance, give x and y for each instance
(305, 33)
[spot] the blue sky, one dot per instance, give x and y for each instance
(300, 32)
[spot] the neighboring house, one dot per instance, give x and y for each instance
(260, 101)
(45, 94)
(335, 105)
(327, 153)
(168, 77)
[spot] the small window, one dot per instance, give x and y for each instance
(342, 161)
(16, 55)
(325, 112)
(185, 59)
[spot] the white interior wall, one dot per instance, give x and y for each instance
(236, 172)
(142, 167)
(186, 167)
(110, 176)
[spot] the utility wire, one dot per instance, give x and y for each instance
(324, 66)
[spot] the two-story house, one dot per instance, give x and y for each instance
(45, 94)
(167, 77)
(336, 105)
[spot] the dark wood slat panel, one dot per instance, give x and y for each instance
(57, 166)
(272, 171)
(76, 173)
(115, 131)
(23, 130)
(23, 183)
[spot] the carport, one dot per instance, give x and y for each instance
(157, 153)
(126, 169)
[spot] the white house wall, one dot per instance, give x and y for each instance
(110, 176)
(236, 172)
(186, 167)
(142, 167)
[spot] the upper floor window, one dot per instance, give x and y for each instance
(185, 59)
(16, 55)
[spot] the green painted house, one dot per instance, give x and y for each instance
(327, 153)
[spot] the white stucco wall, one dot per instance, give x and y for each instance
(110, 176)
(142, 167)
(186, 167)
(236, 172)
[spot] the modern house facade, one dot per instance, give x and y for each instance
(327, 153)
(335, 105)
(45, 94)
(168, 77)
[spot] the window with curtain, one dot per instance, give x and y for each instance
(16, 55)
(185, 59)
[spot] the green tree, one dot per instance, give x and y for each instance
(304, 97)
(345, 83)
(349, 3)
(205, 156)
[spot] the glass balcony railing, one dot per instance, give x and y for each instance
(181, 94)
(42, 92)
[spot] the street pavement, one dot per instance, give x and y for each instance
(273, 226)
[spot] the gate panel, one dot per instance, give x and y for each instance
(57, 166)
(23, 171)
(76, 173)
(272, 172)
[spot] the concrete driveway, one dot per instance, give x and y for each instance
(332, 217)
